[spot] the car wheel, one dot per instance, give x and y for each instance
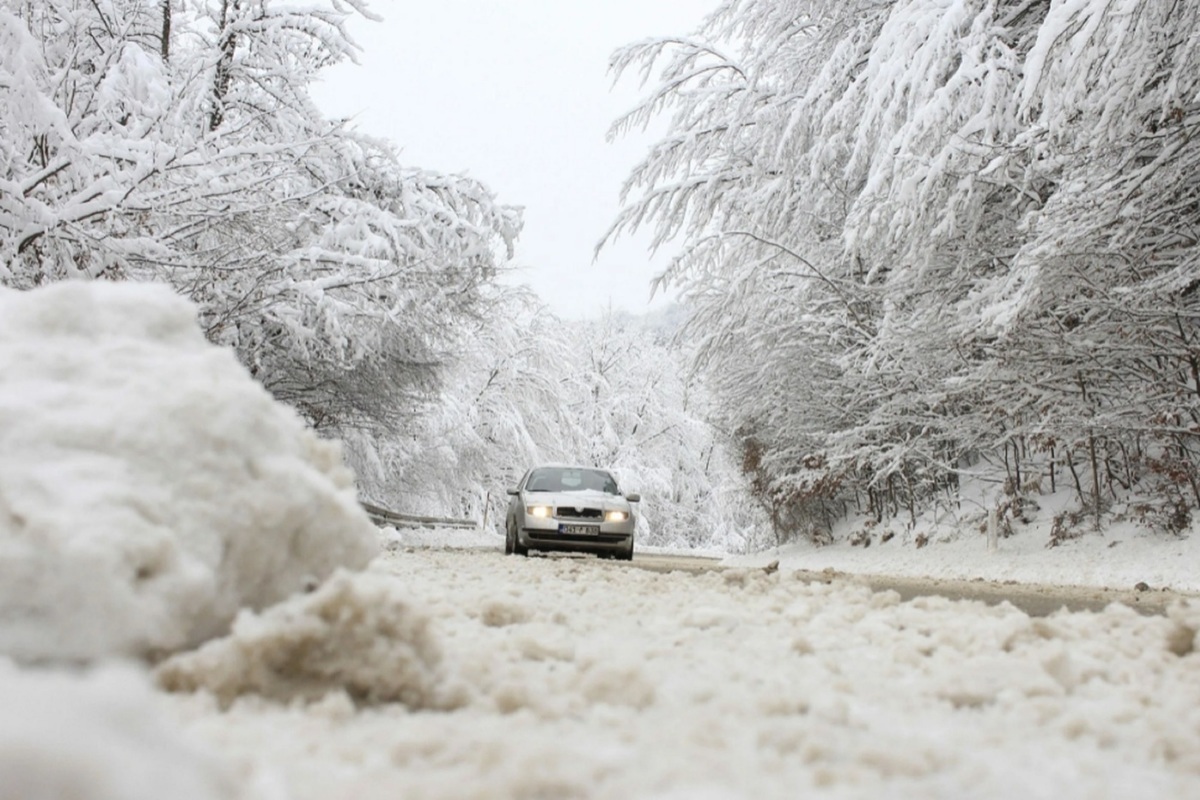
(518, 548)
(627, 554)
(510, 538)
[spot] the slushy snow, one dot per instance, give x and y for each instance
(358, 634)
(588, 679)
(149, 488)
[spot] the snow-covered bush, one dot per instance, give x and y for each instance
(149, 488)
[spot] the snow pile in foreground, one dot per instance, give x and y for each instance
(100, 737)
(594, 680)
(149, 488)
(356, 634)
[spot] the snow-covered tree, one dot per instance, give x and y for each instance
(643, 414)
(177, 142)
(528, 388)
(926, 234)
(498, 410)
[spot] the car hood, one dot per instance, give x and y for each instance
(582, 499)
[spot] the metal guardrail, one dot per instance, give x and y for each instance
(382, 516)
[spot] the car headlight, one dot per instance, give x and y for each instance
(616, 516)
(540, 511)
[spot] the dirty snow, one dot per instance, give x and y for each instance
(589, 679)
(358, 632)
(149, 488)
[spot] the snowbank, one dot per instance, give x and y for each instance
(1123, 555)
(357, 634)
(100, 737)
(149, 488)
(445, 538)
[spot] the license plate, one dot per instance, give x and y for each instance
(579, 530)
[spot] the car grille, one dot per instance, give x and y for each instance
(554, 537)
(580, 513)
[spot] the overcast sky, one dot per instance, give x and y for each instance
(516, 94)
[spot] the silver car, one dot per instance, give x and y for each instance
(570, 508)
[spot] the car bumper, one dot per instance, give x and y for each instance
(611, 537)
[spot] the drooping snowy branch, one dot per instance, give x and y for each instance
(921, 233)
(329, 266)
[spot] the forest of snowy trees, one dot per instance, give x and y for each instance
(177, 142)
(921, 241)
(615, 392)
(929, 239)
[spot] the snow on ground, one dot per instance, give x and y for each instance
(103, 737)
(440, 538)
(1122, 556)
(579, 678)
(149, 488)
(357, 632)
(150, 491)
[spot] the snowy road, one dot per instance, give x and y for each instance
(1035, 600)
(566, 678)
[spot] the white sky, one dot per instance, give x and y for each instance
(516, 93)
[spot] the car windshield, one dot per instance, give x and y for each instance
(570, 479)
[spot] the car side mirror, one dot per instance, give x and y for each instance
(513, 492)
(633, 497)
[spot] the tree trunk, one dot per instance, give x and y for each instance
(1075, 475)
(166, 30)
(1052, 482)
(1095, 478)
(224, 73)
